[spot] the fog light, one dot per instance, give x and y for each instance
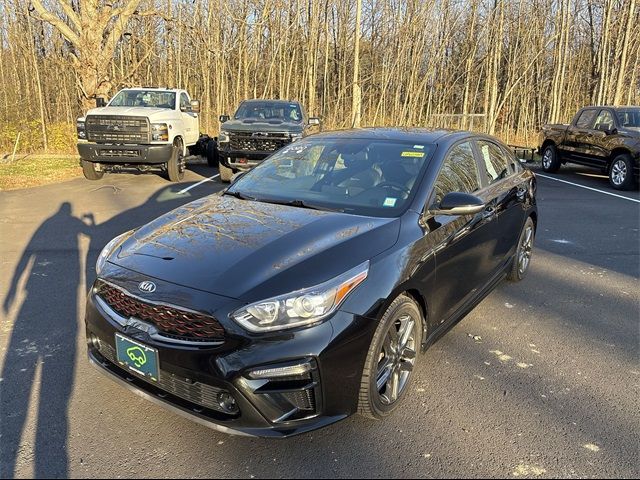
(95, 341)
(227, 402)
(278, 372)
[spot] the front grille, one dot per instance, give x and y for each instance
(117, 129)
(265, 142)
(194, 392)
(171, 322)
(108, 152)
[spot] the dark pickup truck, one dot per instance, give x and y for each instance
(607, 138)
(256, 130)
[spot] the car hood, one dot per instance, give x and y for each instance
(250, 250)
(258, 125)
(132, 111)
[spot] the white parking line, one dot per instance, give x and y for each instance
(588, 188)
(185, 190)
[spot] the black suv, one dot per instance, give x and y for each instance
(257, 129)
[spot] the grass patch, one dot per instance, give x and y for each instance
(32, 171)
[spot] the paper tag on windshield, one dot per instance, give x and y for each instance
(413, 154)
(389, 202)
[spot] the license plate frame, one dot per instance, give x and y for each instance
(138, 358)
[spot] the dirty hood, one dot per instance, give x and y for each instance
(251, 250)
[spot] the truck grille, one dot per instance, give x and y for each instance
(187, 389)
(263, 142)
(171, 322)
(117, 129)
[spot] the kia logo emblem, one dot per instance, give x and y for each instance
(147, 287)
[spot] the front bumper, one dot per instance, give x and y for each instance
(125, 154)
(238, 160)
(336, 349)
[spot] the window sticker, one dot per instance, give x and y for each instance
(390, 202)
(412, 154)
(421, 147)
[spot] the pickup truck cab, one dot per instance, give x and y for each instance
(140, 130)
(604, 137)
(258, 129)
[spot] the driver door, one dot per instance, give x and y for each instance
(189, 120)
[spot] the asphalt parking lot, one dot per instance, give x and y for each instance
(542, 379)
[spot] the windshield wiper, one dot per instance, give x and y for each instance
(299, 204)
(239, 195)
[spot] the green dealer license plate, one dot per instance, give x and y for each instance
(137, 357)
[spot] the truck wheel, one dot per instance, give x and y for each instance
(225, 173)
(621, 173)
(212, 154)
(90, 172)
(550, 159)
(176, 164)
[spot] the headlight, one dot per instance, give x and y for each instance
(82, 134)
(159, 132)
(109, 248)
(295, 136)
(223, 137)
(303, 307)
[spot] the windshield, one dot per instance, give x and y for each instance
(285, 112)
(629, 117)
(360, 176)
(144, 98)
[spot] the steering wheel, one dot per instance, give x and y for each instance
(395, 186)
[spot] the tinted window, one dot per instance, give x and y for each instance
(280, 111)
(586, 119)
(494, 160)
(144, 98)
(629, 117)
(185, 104)
(459, 172)
(360, 176)
(604, 120)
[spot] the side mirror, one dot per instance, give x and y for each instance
(224, 118)
(100, 102)
(314, 121)
(457, 203)
(195, 106)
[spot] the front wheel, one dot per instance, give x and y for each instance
(177, 163)
(522, 258)
(621, 173)
(391, 359)
(550, 159)
(90, 172)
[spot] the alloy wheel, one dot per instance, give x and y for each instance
(524, 253)
(547, 158)
(619, 172)
(396, 359)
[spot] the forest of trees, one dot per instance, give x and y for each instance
(500, 66)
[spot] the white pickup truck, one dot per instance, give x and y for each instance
(143, 130)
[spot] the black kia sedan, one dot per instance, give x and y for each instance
(306, 291)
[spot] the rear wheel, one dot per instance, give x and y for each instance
(90, 171)
(621, 173)
(550, 159)
(391, 359)
(522, 258)
(225, 173)
(177, 163)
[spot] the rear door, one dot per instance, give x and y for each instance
(580, 136)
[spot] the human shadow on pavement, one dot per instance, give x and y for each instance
(43, 339)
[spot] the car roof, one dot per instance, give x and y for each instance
(424, 135)
(616, 107)
(269, 100)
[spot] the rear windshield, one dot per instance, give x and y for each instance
(360, 176)
(285, 112)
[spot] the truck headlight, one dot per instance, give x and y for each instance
(82, 133)
(223, 137)
(303, 307)
(109, 248)
(159, 132)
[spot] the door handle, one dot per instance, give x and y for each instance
(489, 213)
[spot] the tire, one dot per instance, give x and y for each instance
(176, 164)
(90, 172)
(551, 159)
(225, 173)
(379, 402)
(212, 154)
(621, 173)
(522, 258)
